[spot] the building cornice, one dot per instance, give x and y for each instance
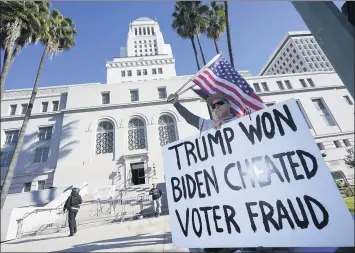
(33, 116)
(332, 135)
(140, 62)
(25, 93)
(280, 92)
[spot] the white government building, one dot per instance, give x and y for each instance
(111, 134)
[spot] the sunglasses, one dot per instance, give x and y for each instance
(221, 102)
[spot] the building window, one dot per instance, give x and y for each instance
(44, 106)
(104, 138)
(105, 98)
(41, 155)
(55, 106)
(348, 100)
(27, 187)
(11, 137)
(311, 83)
(160, 71)
(304, 114)
(42, 185)
(154, 71)
(5, 158)
(347, 143)
(123, 73)
(269, 104)
(320, 146)
(134, 95)
(288, 84)
(167, 130)
(265, 86)
(139, 72)
(256, 87)
(303, 83)
(129, 72)
(337, 144)
(45, 133)
(280, 84)
(24, 108)
(136, 134)
(13, 109)
(162, 92)
(145, 72)
(324, 111)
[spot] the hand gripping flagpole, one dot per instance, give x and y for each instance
(181, 91)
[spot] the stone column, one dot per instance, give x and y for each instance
(334, 34)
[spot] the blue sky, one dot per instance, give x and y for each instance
(256, 29)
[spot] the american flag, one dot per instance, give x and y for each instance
(221, 77)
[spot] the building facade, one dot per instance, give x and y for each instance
(298, 52)
(111, 134)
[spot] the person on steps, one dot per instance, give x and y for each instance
(156, 196)
(73, 205)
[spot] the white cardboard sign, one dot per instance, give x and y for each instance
(104, 192)
(258, 181)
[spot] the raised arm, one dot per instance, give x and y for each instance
(190, 118)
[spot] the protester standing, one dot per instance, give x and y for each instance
(73, 205)
(156, 197)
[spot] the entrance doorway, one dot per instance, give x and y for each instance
(138, 176)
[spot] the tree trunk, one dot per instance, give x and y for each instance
(5, 68)
(228, 34)
(195, 51)
(10, 172)
(202, 54)
(216, 46)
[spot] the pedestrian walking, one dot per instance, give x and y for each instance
(73, 205)
(156, 197)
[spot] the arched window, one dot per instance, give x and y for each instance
(104, 137)
(167, 130)
(136, 134)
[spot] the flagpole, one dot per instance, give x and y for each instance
(179, 92)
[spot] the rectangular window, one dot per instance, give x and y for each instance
(347, 143)
(256, 87)
(45, 133)
(24, 108)
(324, 111)
(269, 104)
(134, 96)
(41, 155)
(337, 144)
(311, 83)
(320, 146)
(145, 72)
(280, 84)
(160, 71)
(162, 92)
(13, 109)
(304, 114)
(288, 84)
(5, 158)
(348, 100)
(129, 72)
(123, 73)
(139, 72)
(55, 106)
(44, 106)
(154, 71)
(11, 137)
(265, 86)
(42, 185)
(105, 98)
(303, 83)
(27, 187)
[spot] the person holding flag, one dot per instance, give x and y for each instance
(226, 92)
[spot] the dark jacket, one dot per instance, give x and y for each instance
(74, 200)
(156, 193)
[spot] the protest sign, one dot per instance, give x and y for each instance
(104, 192)
(257, 181)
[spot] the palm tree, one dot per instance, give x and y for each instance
(58, 36)
(189, 23)
(20, 25)
(216, 23)
(228, 33)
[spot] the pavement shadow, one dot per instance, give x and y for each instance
(122, 242)
(37, 239)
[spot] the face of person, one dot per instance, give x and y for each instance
(221, 108)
